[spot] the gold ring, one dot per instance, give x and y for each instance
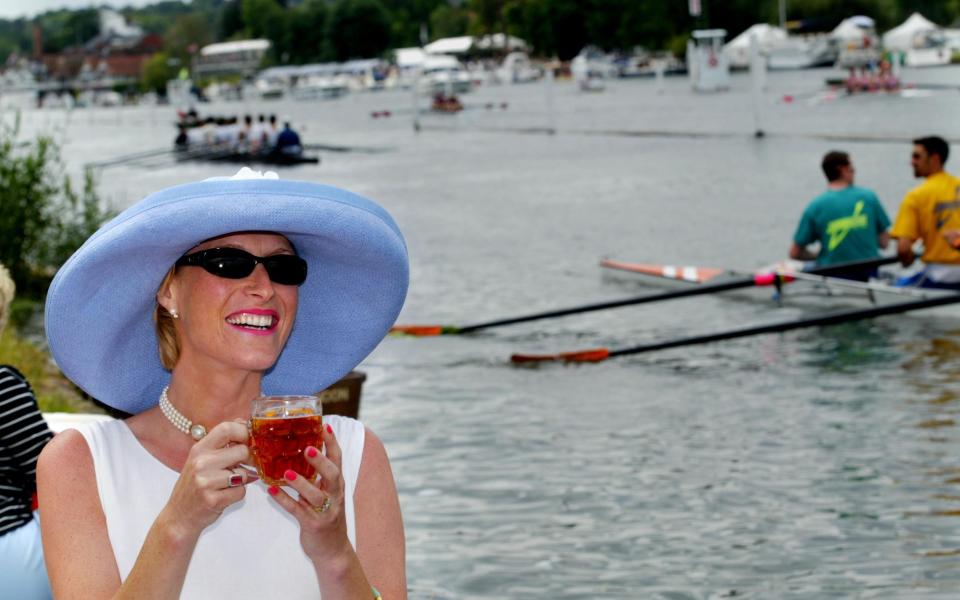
(323, 507)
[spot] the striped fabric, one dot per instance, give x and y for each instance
(23, 433)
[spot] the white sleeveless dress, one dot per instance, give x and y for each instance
(253, 549)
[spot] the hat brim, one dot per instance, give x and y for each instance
(99, 307)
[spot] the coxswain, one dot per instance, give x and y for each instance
(288, 142)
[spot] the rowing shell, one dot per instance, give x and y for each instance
(799, 289)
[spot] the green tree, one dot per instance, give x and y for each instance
(42, 219)
(407, 16)
(489, 15)
(358, 29)
(64, 28)
(230, 20)
(307, 29)
(449, 21)
(187, 35)
(156, 72)
(267, 19)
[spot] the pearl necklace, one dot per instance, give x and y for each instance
(179, 421)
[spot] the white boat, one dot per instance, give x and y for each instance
(269, 88)
(802, 52)
(928, 56)
(319, 87)
(441, 74)
(796, 287)
(920, 42)
(516, 68)
(590, 68)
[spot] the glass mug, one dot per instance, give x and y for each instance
(281, 428)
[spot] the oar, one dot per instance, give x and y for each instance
(128, 158)
(712, 288)
(600, 354)
(333, 148)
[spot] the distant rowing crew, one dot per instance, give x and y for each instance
(227, 135)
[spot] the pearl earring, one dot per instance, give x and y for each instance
(174, 313)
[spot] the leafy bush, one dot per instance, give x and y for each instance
(55, 393)
(43, 219)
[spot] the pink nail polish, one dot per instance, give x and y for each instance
(290, 475)
(273, 490)
(329, 429)
(311, 451)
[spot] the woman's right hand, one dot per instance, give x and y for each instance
(212, 478)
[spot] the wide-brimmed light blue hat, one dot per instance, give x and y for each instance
(100, 305)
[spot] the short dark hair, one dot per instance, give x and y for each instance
(832, 162)
(934, 144)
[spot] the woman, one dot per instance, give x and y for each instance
(255, 284)
(23, 433)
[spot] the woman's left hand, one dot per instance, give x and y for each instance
(320, 508)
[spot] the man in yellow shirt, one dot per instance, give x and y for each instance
(931, 212)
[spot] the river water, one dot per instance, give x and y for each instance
(818, 463)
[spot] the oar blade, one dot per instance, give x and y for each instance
(689, 274)
(591, 355)
(422, 330)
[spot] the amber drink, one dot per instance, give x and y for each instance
(281, 429)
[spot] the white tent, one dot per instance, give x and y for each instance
(853, 28)
(451, 45)
(408, 58)
(904, 36)
(737, 50)
(501, 41)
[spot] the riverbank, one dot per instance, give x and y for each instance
(55, 393)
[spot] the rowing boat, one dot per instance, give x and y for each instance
(791, 284)
(233, 156)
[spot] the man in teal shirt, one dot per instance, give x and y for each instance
(848, 221)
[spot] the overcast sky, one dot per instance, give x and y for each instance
(12, 9)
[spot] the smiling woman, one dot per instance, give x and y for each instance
(255, 286)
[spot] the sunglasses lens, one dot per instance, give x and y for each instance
(286, 269)
(229, 266)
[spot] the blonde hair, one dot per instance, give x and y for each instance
(167, 341)
(7, 290)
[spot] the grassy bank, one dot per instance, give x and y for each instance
(55, 393)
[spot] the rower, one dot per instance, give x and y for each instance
(931, 212)
(271, 132)
(245, 141)
(258, 134)
(848, 221)
(183, 139)
(288, 142)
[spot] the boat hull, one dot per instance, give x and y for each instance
(272, 158)
(808, 292)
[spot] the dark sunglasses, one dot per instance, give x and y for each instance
(234, 263)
